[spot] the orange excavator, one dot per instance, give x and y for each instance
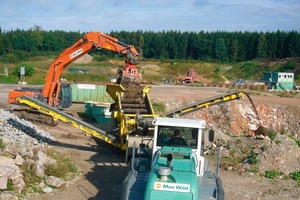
(58, 94)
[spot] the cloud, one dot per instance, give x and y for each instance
(156, 15)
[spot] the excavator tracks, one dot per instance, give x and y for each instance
(33, 115)
(30, 114)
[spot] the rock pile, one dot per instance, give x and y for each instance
(22, 146)
(12, 162)
(84, 59)
(238, 117)
(283, 154)
(235, 118)
(19, 132)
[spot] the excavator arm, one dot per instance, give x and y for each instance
(51, 91)
(90, 41)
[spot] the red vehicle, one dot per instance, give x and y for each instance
(190, 76)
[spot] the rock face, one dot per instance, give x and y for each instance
(239, 117)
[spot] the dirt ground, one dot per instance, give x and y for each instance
(103, 168)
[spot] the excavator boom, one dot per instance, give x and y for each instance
(89, 42)
(51, 92)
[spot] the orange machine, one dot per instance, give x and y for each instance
(58, 94)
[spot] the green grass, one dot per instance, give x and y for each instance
(272, 174)
(102, 67)
(253, 170)
(278, 142)
(64, 167)
(2, 144)
(287, 94)
(297, 141)
(295, 176)
(159, 108)
(10, 186)
(272, 133)
(264, 147)
(30, 179)
(253, 159)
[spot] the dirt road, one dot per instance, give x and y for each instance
(199, 93)
(103, 168)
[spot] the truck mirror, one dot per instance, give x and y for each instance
(211, 135)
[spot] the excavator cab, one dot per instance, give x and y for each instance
(65, 96)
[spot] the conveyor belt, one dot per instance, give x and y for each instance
(204, 104)
(59, 115)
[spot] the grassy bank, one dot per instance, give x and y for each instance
(153, 71)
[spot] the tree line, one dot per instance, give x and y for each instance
(218, 46)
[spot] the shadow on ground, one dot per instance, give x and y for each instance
(108, 173)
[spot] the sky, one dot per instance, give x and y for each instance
(151, 15)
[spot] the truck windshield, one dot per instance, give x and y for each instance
(177, 136)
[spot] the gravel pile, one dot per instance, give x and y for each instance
(84, 59)
(16, 131)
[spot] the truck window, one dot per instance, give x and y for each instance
(177, 136)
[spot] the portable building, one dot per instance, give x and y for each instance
(281, 81)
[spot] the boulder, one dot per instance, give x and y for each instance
(19, 185)
(19, 160)
(36, 149)
(42, 160)
(29, 162)
(10, 151)
(6, 170)
(11, 172)
(47, 190)
(17, 181)
(26, 153)
(3, 183)
(6, 160)
(54, 181)
(39, 168)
